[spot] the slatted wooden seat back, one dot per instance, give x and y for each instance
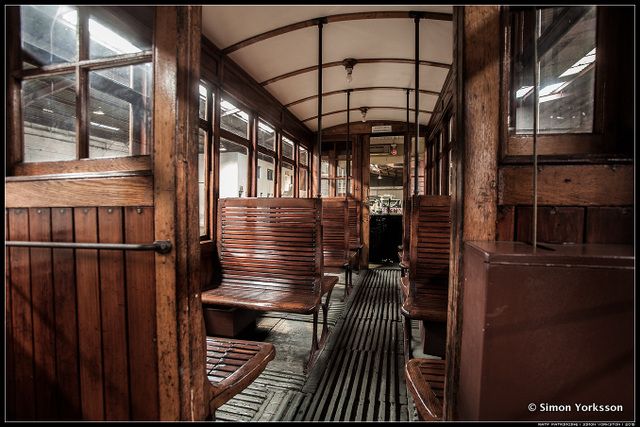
(272, 245)
(354, 223)
(335, 232)
(270, 259)
(425, 291)
(429, 241)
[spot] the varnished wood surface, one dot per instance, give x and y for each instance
(87, 166)
(332, 18)
(425, 381)
(232, 365)
(568, 185)
(82, 327)
(120, 191)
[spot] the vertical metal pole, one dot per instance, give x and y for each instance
(536, 111)
(319, 141)
(416, 106)
(349, 151)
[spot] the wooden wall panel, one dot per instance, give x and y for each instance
(505, 223)
(66, 310)
(141, 304)
(43, 314)
(555, 224)
(10, 376)
(568, 185)
(114, 331)
(21, 316)
(609, 225)
(89, 328)
(122, 191)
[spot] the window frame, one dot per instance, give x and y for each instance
(602, 141)
(208, 126)
(81, 69)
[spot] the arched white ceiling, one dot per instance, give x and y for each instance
(368, 38)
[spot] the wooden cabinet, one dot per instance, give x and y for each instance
(550, 327)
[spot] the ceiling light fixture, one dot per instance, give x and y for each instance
(349, 63)
(363, 111)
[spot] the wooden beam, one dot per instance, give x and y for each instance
(114, 191)
(568, 185)
(334, 18)
(360, 61)
(14, 136)
(370, 108)
(359, 89)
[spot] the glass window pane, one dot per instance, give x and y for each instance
(202, 187)
(303, 175)
(234, 119)
(49, 35)
(341, 170)
(120, 111)
(286, 180)
(203, 103)
(234, 165)
(287, 148)
(266, 183)
(324, 187)
(341, 187)
(266, 136)
(117, 30)
(325, 168)
(567, 49)
(48, 113)
(303, 156)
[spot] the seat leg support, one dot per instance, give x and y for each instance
(406, 323)
(313, 353)
(325, 323)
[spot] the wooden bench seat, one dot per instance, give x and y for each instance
(336, 227)
(425, 290)
(270, 259)
(425, 381)
(232, 365)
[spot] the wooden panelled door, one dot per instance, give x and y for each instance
(108, 334)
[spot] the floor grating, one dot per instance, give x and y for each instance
(359, 376)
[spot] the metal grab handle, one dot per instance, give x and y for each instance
(160, 246)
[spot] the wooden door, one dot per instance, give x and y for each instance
(110, 334)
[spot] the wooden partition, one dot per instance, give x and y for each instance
(81, 323)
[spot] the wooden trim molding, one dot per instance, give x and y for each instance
(117, 191)
(380, 107)
(360, 89)
(335, 18)
(360, 61)
(87, 166)
(568, 185)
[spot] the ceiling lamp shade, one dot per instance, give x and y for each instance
(363, 111)
(349, 63)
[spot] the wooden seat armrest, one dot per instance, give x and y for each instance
(232, 365)
(328, 282)
(425, 381)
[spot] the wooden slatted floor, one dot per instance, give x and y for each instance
(360, 374)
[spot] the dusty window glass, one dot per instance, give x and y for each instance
(287, 148)
(303, 156)
(566, 38)
(324, 187)
(266, 136)
(118, 30)
(48, 35)
(48, 113)
(120, 111)
(324, 168)
(234, 163)
(266, 184)
(303, 189)
(341, 186)
(286, 180)
(202, 102)
(202, 187)
(234, 119)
